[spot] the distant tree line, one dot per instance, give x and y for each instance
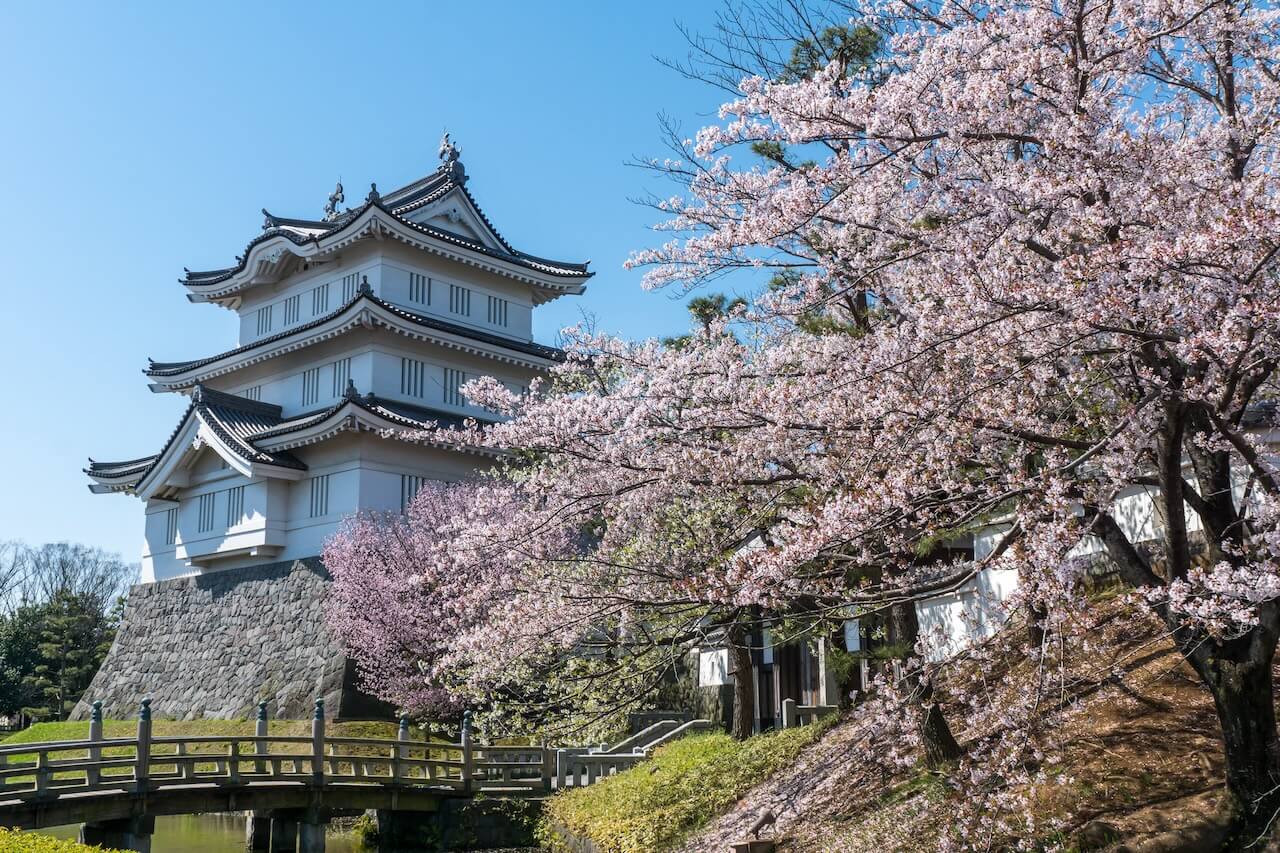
(60, 604)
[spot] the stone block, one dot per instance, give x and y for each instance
(181, 644)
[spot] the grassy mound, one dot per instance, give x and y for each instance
(74, 731)
(193, 728)
(12, 841)
(686, 783)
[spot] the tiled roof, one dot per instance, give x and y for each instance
(174, 368)
(233, 419)
(242, 424)
(1260, 414)
(128, 469)
(408, 416)
(395, 205)
(236, 420)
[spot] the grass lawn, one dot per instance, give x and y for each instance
(658, 803)
(192, 728)
(71, 731)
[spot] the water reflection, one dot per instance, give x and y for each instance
(206, 833)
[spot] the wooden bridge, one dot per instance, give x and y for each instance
(116, 786)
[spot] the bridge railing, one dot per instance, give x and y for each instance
(146, 762)
(67, 766)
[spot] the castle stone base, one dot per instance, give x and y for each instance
(216, 644)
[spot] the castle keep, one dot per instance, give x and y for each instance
(355, 326)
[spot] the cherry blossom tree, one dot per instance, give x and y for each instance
(1062, 219)
(1023, 268)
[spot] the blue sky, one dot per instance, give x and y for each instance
(142, 138)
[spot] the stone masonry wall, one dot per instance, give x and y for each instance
(214, 645)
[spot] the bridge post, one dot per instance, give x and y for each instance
(260, 732)
(284, 833)
(142, 770)
(257, 833)
(402, 752)
(468, 765)
(317, 743)
(129, 833)
(92, 775)
(43, 773)
(310, 837)
(548, 766)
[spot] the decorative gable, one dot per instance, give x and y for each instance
(455, 213)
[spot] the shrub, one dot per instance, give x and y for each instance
(12, 841)
(656, 804)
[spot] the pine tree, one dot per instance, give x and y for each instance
(74, 637)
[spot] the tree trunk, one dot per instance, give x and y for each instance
(1239, 675)
(744, 693)
(940, 746)
(1036, 614)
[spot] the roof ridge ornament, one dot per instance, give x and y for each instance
(373, 196)
(268, 221)
(351, 393)
(365, 288)
(331, 207)
(450, 159)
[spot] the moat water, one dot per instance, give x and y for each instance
(214, 833)
(207, 833)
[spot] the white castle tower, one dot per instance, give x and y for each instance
(352, 326)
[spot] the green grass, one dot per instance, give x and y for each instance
(658, 803)
(12, 841)
(73, 731)
(194, 728)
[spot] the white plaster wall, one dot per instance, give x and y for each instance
(713, 668)
(375, 366)
(362, 261)
(974, 611)
(950, 622)
(364, 474)
(387, 269)
(395, 289)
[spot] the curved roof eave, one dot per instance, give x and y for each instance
(174, 375)
(368, 412)
(561, 276)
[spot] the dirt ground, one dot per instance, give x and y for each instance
(1137, 764)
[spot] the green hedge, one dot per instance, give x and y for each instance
(12, 841)
(658, 803)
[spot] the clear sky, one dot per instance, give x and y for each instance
(141, 138)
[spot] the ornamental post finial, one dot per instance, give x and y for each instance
(335, 198)
(450, 159)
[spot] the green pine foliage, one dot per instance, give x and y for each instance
(19, 657)
(74, 637)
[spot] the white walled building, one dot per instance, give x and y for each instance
(364, 321)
